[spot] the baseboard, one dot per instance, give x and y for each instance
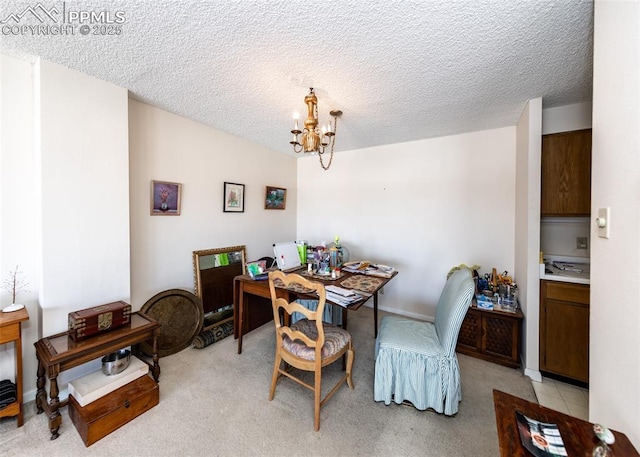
(535, 375)
(421, 317)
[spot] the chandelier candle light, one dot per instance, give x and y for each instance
(314, 139)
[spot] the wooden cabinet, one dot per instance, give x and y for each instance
(566, 174)
(491, 335)
(564, 329)
(11, 330)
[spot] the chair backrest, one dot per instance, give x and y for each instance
(299, 284)
(452, 307)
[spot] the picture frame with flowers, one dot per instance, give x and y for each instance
(233, 198)
(165, 198)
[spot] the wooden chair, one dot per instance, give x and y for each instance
(309, 344)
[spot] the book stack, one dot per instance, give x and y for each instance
(341, 296)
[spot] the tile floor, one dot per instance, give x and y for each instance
(563, 397)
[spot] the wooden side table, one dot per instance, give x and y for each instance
(59, 352)
(11, 330)
(492, 335)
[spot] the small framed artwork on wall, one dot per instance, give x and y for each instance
(233, 198)
(275, 198)
(165, 198)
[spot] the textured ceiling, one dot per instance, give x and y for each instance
(399, 70)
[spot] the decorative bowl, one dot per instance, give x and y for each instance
(116, 362)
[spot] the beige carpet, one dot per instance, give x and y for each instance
(214, 402)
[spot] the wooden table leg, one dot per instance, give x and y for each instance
(41, 393)
(375, 315)
(241, 305)
(55, 418)
(155, 371)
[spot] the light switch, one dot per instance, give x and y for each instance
(603, 222)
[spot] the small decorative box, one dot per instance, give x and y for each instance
(484, 302)
(99, 319)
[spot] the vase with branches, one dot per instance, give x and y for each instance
(15, 283)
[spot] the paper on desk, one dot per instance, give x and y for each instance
(383, 271)
(342, 300)
(340, 291)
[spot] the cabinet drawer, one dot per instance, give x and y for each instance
(10, 332)
(577, 293)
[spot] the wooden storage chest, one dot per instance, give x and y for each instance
(491, 335)
(101, 417)
(99, 319)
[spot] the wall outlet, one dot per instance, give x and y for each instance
(582, 243)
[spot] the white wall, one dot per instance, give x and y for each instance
(558, 236)
(614, 395)
(67, 220)
(18, 219)
(422, 207)
(84, 179)
(527, 231)
(167, 147)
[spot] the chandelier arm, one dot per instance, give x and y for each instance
(333, 142)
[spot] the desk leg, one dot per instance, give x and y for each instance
(155, 371)
(41, 393)
(241, 307)
(375, 315)
(55, 419)
(344, 327)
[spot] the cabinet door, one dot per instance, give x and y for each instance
(500, 337)
(566, 174)
(564, 330)
(470, 335)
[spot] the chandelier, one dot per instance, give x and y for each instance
(315, 139)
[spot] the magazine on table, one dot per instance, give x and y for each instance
(539, 438)
(370, 269)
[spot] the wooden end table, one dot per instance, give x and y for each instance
(10, 330)
(59, 352)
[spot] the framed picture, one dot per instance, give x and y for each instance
(233, 198)
(165, 198)
(275, 198)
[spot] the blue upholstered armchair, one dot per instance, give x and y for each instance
(416, 361)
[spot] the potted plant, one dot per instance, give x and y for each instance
(14, 284)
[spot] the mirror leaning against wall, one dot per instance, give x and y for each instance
(213, 271)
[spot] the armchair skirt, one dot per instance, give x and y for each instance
(416, 361)
(411, 366)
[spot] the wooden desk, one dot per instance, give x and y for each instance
(244, 286)
(11, 330)
(59, 352)
(577, 435)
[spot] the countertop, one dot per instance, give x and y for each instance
(576, 269)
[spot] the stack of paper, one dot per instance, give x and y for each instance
(341, 296)
(366, 268)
